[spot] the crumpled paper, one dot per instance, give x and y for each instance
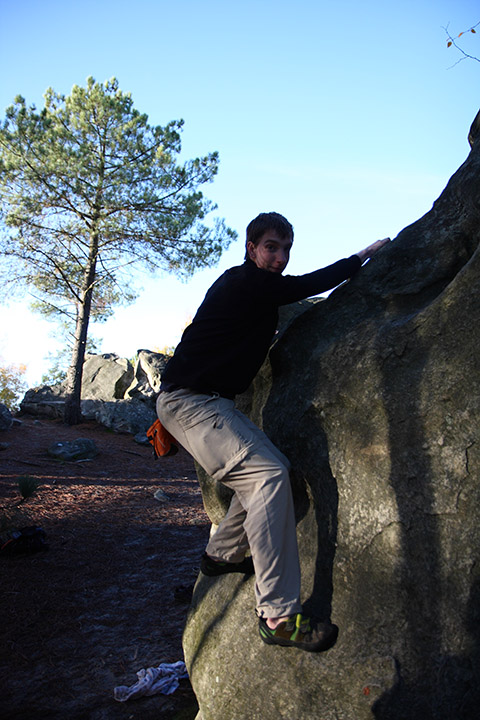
(162, 679)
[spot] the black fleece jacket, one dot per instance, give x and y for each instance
(229, 337)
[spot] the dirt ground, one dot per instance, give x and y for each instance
(111, 594)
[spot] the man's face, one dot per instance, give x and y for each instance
(272, 252)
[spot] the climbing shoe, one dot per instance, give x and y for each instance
(301, 632)
(217, 567)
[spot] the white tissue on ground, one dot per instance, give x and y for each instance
(162, 679)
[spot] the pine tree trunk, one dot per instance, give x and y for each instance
(73, 412)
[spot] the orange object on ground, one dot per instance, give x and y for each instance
(163, 442)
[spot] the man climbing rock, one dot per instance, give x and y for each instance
(217, 359)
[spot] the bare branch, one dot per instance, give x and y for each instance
(452, 42)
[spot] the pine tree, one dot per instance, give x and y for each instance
(88, 189)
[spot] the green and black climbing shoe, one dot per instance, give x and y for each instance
(301, 632)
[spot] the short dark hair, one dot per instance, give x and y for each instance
(267, 221)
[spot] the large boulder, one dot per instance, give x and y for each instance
(44, 401)
(121, 416)
(105, 377)
(148, 371)
(374, 396)
(112, 394)
(119, 397)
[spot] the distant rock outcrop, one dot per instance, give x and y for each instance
(124, 416)
(374, 396)
(106, 377)
(114, 393)
(46, 401)
(148, 371)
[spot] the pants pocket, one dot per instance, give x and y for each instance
(213, 431)
(221, 442)
(186, 408)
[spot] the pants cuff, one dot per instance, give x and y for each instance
(275, 611)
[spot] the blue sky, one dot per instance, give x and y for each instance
(349, 118)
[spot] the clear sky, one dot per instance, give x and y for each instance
(347, 117)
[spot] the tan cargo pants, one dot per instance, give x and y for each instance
(232, 449)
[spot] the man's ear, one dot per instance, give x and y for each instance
(251, 250)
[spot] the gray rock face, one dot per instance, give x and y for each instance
(374, 396)
(122, 416)
(112, 394)
(106, 377)
(44, 401)
(147, 374)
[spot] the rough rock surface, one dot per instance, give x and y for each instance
(374, 396)
(147, 374)
(105, 377)
(114, 394)
(44, 401)
(128, 416)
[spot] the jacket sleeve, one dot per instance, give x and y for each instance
(291, 288)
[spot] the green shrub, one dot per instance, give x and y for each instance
(28, 486)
